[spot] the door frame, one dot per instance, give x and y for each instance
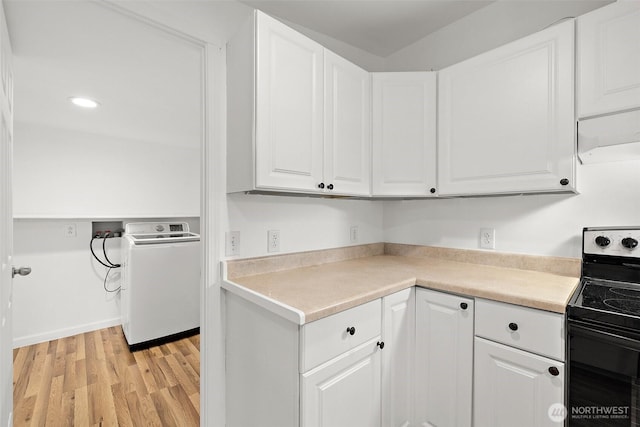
(213, 136)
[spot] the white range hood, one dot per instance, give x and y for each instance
(609, 138)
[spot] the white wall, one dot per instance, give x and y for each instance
(305, 223)
(548, 224)
(494, 25)
(63, 295)
(61, 173)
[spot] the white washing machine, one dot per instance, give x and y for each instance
(160, 291)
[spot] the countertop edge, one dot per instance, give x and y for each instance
(283, 310)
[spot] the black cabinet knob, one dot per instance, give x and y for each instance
(321, 185)
(629, 243)
(564, 181)
(554, 371)
(351, 330)
(464, 305)
(513, 326)
(330, 186)
(381, 344)
(432, 190)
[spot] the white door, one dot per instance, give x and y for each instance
(444, 359)
(404, 134)
(6, 229)
(506, 118)
(289, 101)
(347, 141)
(344, 392)
(515, 388)
(398, 321)
(609, 59)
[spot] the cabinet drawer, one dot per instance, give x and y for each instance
(537, 331)
(327, 338)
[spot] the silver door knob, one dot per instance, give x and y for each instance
(22, 271)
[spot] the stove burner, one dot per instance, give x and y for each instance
(630, 293)
(627, 306)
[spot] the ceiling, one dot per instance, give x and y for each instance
(378, 27)
(149, 81)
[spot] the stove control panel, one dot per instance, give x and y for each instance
(612, 241)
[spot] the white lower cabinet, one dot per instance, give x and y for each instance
(519, 358)
(444, 359)
(514, 387)
(407, 359)
(344, 392)
(398, 325)
(344, 370)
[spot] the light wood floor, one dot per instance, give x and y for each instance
(93, 380)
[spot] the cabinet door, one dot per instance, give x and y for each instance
(347, 141)
(506, 118)
(344, 392)
(444, 359)
(289, 100)
(404, 134)
(398, 323)
(609, 59)
(513, 387)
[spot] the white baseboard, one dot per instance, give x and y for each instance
(65, 332)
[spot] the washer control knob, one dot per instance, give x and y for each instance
(603, 241)
(629, 243)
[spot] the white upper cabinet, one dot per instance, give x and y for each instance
(289, 99)
(287, 131)
(506, 119)
(404, 134)
(347, 126)
(609, 59)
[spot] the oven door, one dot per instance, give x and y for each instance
(604, 384)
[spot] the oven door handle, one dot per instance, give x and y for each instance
(587, 329)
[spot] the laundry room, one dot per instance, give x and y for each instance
(82, 172)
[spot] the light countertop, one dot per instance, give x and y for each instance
(310, 293)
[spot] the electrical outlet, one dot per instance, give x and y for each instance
(70, 230)
(488, 238)
(232, 243)
(273, 241)
(353, 233)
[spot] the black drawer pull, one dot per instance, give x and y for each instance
(513, 326)
(351, 330)
(554, 371)
(464, 305)
(380, 344)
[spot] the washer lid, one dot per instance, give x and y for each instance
(146, 233)
(158, 238)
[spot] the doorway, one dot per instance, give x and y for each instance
(134, 157)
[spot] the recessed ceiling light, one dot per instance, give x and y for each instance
(84, 102)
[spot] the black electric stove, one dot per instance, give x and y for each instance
(603, 323)
(609, 291)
